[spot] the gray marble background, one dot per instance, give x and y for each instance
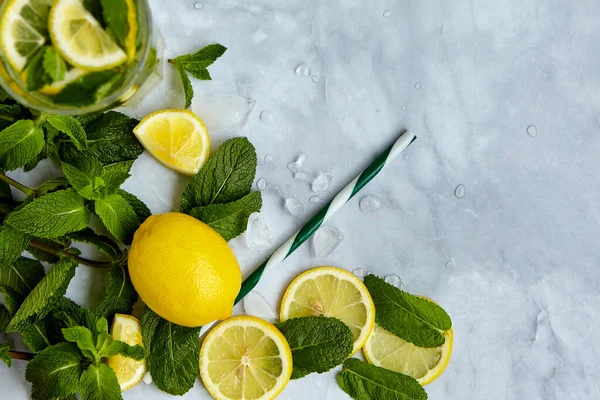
(514, 261)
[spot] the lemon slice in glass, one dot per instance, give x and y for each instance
(70, 76)
(22, 29)
(129, 372)
(388, 351)
(176, 138)
(245, 358)
(80, 39)
(332, 292)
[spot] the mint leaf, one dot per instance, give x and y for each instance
(367, 382)
(71, 127)
(227, 176)
(99, 383)
(141, 210)
(229, 220)
(52, 215)
(173, 353)
(80, 92)
(207, 54)
(95, 8)
(55, 371)
(4, 353)
(22, 275)
(83, 338)
(411, 318)
(36, 76)
(5, 318)
(20, 143)
(115, 17)
(118, 217)
(188, 90)
(120, 295)
(36, 335)
(52, 186)
(72, 314)
(77, 178)
(317, 343)
(9, 114)
(102, 325)
(54, 64)
(198, 69)
(3, 94)
(110, 139)
(42, 297)
(102, 243)
(110, 86)
(112, 181)
(109, 347)
(12, 244)
(123, 166)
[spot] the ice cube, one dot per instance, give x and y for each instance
(147, 378)
(321, 182)
(325, 240)
(294, 206)
(359, 273)
(304, 177)
(223, 112)
(298, 165)
(257, 233)
(316, 200)
(394, 280)
(369, 204)
(257, 306)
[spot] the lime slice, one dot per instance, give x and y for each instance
(80, 38)
(23, 27)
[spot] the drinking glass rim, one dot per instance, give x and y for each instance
(70, 110)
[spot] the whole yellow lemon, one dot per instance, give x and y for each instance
(184, 270)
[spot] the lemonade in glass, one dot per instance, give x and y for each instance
(76, 56)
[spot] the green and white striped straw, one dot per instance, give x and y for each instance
(327, 212)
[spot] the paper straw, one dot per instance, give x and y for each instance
(327, 212)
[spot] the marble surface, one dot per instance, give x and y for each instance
(514, 261)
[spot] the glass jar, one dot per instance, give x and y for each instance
(113, 87)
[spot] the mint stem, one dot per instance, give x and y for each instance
(40, 119)
(20, 355)
(21, 187)
(80, 260)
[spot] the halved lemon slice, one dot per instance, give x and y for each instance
(70, 76)
(22, 29)
(245, 358)
(129, 372)
(332, 292)
(80, 38)
(133, 30)
(176, 138)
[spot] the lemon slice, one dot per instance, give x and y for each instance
(80, 38)
(70, 76)
(245, 358)
(176, 138)
(133, 30)
(129, 372)
(388, 351)
(22, 29)
(332, 292)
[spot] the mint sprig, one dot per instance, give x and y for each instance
(196, 64)
(416, 320)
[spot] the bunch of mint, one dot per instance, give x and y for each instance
(320, 343)
(67, 342)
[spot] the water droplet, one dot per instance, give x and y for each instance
(403, 107)
(316, 200)
(298, 165)
(532, 130)
(314, 79)
(257, 306)
(325, 240)
(303, 70)
(369, 204)
(257, 233)
(294, 206)
(459, 192)
(405, 157)
(387, 14)
(394, 280)
(359, 273)
(198, 6)
(417, 85)
(449, 264)
(268, 158)
(321, 183)
(267, 117)
(172, 93)
(261, 184)
(304, 177)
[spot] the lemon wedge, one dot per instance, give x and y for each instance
(245, 358)
(129, 372)
(332, 292)
(176, 138)
(80, 38)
